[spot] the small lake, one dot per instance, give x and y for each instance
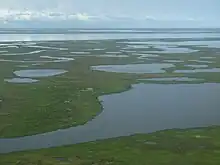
(35, 73)
(173, 61)
(162, 44)
(58, 59)
(162, 48)
(202, 61)
(145, 108)
(21, 54)
(207, 57)
(21, 80)
(134, 68)
(169, 49)
(81, 53)
(212, 70)
(178, 79)
(112, 55)
(46, 47)
(113, 52)
(137, 47)
(197, 66)
(143, 56)
(210, 44)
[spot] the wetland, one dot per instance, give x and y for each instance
(96, 91)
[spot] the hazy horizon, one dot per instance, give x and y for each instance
(109, 14)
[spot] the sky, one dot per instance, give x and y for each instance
(109, 13)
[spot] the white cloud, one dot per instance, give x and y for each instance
(56, 15)
(111, 12)
(28, 15)
(82, 16)
(11, 15)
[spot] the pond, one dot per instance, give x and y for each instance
(207, 57)
(21, 80)
(207, 44)
(145, 108)
(199, 43)
(197, 66)
(34, 73)
(58, 59)
(134, 68)
(212, 70)
(171, 49)
(178, 79)
(144, 56)
(112, 55)
(202, 61)
(20, 54)
(46, 47)
(173, 61)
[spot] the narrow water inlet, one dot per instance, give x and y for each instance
(145, 108)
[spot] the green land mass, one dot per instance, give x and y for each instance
(199, 146)
(71, 99)
(58, 102)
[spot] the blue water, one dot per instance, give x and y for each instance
(178, 79)
(21, 80)
(143, 109)
(134, 68)
(211, 70)
(35, 73)
(48, 35)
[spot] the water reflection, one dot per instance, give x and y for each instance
(202, 61)
(134, 68)
(178, 79)
(21, 54)
(93, 36)
(173, 61)
(34, 73)
(169, 49)
(21, 80)
(143, 109)
(197, 66)
(58, 59)
(212, 70)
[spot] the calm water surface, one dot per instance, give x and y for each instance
(92, 36)
(169, 49)
(143, 109)
(34, 73)
(179, 79)
(21, 80)
(211, 70)
(197, 66)
(134, 68)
